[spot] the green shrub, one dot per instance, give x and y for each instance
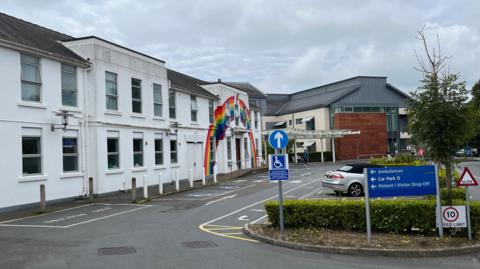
(457, 194)
(388, 216)
(399, 160)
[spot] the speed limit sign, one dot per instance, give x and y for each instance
(453, 216)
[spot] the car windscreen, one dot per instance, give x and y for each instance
(346, 168)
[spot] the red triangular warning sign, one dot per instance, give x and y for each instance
(467, 179)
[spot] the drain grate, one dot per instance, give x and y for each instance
(199, 244)
(116, 251)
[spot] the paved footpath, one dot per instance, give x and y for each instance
(193, 229)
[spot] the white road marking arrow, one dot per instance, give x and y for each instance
(243, 218)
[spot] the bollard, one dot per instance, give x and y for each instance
(215, 173)
(145, 187)
(134, 190)
(90, 189)
(190, 178)
(203, 176)
(177, 182)
(42, 198)
(160, 184)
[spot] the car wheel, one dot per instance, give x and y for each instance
(355, 190)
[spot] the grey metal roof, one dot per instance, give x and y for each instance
(360, 90)
(22, 34)
(188, 84)
(252, 91)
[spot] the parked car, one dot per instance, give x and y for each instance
(348, 179)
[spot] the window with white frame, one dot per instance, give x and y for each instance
(70, 154)
(212, 149)
(229, 148)
(256, 119)
(113, 151)
(137, 152)
(111, 90)
(171, 104)
(69, 85)
(158, 151)
(173, 151)
(210, 111)
(157, 100)
(193, 108)
(31, 81)
(136, 95)
(31, 151)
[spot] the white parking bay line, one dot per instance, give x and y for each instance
(305, 174)
(36, 216)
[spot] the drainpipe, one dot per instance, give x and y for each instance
(85, 131)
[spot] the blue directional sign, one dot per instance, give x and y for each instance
(401, 181)
(278, 167)
(278, 139)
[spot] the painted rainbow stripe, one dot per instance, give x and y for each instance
(225, 114)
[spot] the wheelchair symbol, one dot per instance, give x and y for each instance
(277, 163)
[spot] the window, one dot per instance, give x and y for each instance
(70, 154)
(31, 81)
(193, 108)
(210, 111)
(136, 95)
(113, 153)
(69, 85)
(158, 151)
(298, 121)
(245, 144)
(173, 151)
(237, 115)
(289, 122)
(111, 91)
(256, 119)
(310, 125)
(229, 148)
(31, 155)
(171, 104)
(137, 152)
(157, 100)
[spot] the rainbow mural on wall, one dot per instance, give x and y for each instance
(224, 114)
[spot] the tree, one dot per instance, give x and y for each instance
(438, 115)
(476, 94)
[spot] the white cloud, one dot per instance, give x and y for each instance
(278, 45)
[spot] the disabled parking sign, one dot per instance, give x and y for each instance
(278, 167)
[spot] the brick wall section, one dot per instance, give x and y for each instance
(372, 139)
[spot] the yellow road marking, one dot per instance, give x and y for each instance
(202, 227)
(220, 229)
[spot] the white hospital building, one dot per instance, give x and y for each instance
(74, 108)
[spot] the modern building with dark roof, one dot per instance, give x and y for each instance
(332, 106)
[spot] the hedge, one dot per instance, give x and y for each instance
(388, 216)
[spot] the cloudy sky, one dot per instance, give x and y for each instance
(278, 45)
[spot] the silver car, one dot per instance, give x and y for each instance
(348, 179)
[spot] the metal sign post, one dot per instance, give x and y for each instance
(367, 207)
(467, 202)
(278, 169)
(280, 206)
(439, 204)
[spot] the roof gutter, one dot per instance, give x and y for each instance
(180, 89)
(46, 54)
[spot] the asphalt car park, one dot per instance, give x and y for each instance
(74, 216)
(199, 228)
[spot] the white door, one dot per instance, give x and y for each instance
(195, 159)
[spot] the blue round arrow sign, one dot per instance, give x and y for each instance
(278, 139)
